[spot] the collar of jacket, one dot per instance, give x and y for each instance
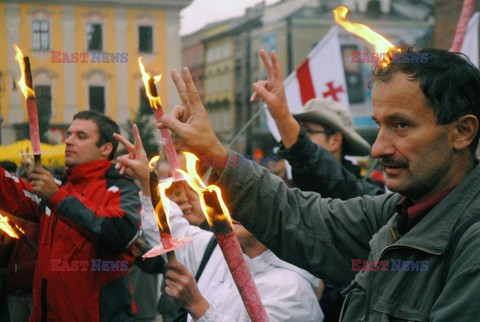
(89, 170)
(434, 230)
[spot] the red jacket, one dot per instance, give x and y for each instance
(85, 229)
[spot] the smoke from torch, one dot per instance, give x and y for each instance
(26, 84)
(218, 217)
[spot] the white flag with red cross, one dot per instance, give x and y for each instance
(470, 41)
(321, 74)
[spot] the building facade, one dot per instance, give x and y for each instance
(84, 56)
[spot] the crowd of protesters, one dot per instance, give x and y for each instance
(87, 230)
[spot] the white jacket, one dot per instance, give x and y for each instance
(286, 291)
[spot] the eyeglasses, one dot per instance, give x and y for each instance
(312, 131)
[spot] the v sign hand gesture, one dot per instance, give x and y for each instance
(190, 120)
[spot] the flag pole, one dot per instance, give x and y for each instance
(465, 14)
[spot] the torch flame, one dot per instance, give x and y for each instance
(7, 228)
(154, 99)
(153, 161)
(165, 202)
(194, 180)
(27, 91)
(381, 44)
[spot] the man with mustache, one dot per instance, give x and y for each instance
(92, 218)
(428, 120)
(315, 142)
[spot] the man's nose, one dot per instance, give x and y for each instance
(383, 145)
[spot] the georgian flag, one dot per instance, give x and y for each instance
(321, 74)
(470, 41)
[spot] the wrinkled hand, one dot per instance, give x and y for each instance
(43, 182)
(135, 163)
(181, 285)
(272, 92)
(190, 120)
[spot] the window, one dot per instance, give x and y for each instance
(94, 37)
(145, 39)
(96, 97)
(44, 104)
(40, 35)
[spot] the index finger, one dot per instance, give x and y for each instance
(180, 85)
(137, 139)
(128, 146)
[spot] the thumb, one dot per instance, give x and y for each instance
(169, 122)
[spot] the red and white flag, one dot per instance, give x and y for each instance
(320, 75)
(470, 41)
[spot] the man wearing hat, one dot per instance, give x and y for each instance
(315, 142)
(317, 157)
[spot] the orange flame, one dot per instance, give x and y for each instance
(153, 161)
(7, 228)
(27, 91)
(165, 202)
(194, 180)
(381, 44)
(154, 100)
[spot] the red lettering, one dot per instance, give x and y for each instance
(75, 58)
(383, 264)
(56, 56)
(366, 58)
(65, 58)
(84, 57)
(56, 265)
(356, 56)
(356, 264)
(83, 265)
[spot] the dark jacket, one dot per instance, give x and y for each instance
(21, 260)
(324, 236)
(316, 169)
(85, 230)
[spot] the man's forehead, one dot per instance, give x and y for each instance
(81, 125)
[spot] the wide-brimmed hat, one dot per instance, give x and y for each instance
(334, 116)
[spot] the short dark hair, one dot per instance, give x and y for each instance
(9, 166)
(106, 128)
(449, 82)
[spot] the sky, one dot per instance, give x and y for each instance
(202, 12)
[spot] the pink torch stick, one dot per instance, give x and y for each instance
(26, 85)
(218, 217)
(228, 242)
(462, 24)
(155, 104)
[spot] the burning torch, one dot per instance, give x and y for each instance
(161, 205)
(26, 85)
(218, 217)
(16, 232)
(381, 44)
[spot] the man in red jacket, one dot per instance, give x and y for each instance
(87, 225)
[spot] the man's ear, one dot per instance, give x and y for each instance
(106, 149)
(466, 129)
(335, 142)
